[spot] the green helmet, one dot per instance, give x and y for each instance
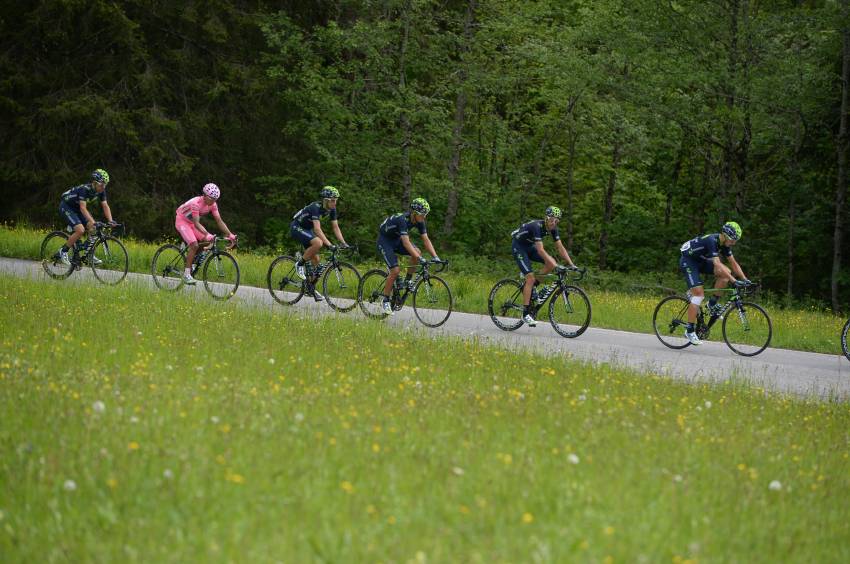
(420, 206)
(732, 230)
(553, 211)
(330, 192)
(100, 175)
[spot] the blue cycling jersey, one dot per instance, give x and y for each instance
(400, 224)
(310, 213)
(705, 248)
(82, 193)
(530, 232)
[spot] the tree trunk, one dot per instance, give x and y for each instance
(404, 121)
(841, 146)
(571, 159)
(457, 131)
(608, 204)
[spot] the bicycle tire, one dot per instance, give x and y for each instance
(114, 261)
(844, 345)
(370, 294)
(338, 287)
(226, 281)
(432, 292)
(570, 311)
(167, 267)
(52, 266)
(759, 342)
(673, 320)
(283, 283)
(508, 301)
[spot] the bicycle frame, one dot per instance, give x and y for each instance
(423, 272)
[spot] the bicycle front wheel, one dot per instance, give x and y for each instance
(221, 275)
(747, 329)
(569, 311)
(432, 301)
(283, 282)
(670, 321)
(167, 268)
(109, 261)
(505, 304)
(340, 285)
(370, 294)
(49, 256)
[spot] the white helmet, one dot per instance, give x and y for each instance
(212, 191)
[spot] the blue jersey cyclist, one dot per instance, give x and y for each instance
(701, 255)
(73, 208)
(306, 228)
(394, 239)
(527, 247)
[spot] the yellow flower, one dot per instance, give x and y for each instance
(133, 445)
(347, 486)
(527, 518)
(609, 530)
(112, 483)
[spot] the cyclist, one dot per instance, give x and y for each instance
(702, 255)
(189, 226)
(394, 239)
(306, 228)
(74, 210)
(527, 247)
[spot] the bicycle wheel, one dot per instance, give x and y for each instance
(167, 268)
(844, 346)
(283, 283)
(670, 320)
(432, 301)
(505, 304)
(569, 311)
(49, 256)
(370, 294)
(339, 285)
(221, 275)
(109, 261)
(747, 330)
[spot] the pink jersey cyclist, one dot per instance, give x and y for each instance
(186, 215)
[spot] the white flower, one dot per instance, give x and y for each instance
(775, 486)
(582, 397)
(299, 417)
(677, 478)
(138, 333)
(69, 485)
(214, 419)
(458, 471)
(98, 407)
(572, 458)
(271, 361)
(167, 474)
(134, 419)
(708, 404)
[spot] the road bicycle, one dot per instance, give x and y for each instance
(432, 299)
(219, 269)
(339, 280)
(844, 346)
(746, 327)
(103, 252)
(569, 306)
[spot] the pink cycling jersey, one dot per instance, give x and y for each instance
(184, 222)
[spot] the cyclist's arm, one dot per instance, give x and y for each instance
(544, 255)
(87, 214)
(426, 242)
(413, 251)
(196, 219)
(317, 229)
(222, 226)
(736, 268)
(107, 213)
(562, 250)
(338, 233)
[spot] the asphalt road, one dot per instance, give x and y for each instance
(801, 373)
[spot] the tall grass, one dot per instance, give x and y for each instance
(809, 329)
(142, 426)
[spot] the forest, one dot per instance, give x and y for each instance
(647, 121)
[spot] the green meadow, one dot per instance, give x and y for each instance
(807, 329)
(143, 426)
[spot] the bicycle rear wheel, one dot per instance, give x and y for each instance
(221, 275)
(49, 256)
(340, 286)
(747, 330)
(505, 304)
(670, 320)
(109, 261)
(167, 268)
(282, 281)
(370, 294)
(432, 301)
(844, 336)
(569, 311)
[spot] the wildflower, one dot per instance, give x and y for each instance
(112, 483)
(609, 530)
(457, 471)
(271, 361)
(347, 487)
(98, 407)
(775, 486)
(527, 518)
(572, 458)
(214, 419)
(133, 445)
(69, 485)
(299, 417)
(708, 404)
(168, 474)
